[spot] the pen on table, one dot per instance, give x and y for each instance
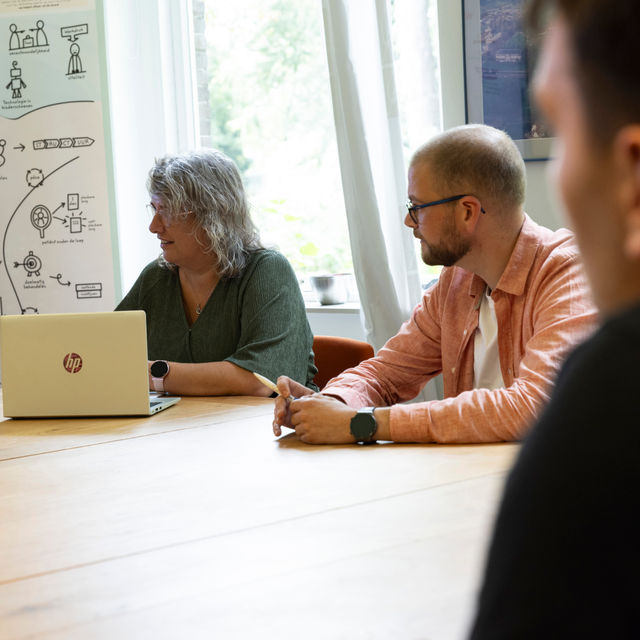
(267, 383)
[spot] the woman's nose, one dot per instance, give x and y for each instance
(156, 225)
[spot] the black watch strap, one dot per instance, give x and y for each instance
(364, 425)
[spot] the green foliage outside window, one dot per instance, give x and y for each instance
(270, 110)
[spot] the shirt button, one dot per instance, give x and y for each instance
(453, 369)
(464, 333)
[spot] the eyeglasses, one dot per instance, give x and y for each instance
(160, 212)
(167, 218)
(414, 208)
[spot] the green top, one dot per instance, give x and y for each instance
(256, 320)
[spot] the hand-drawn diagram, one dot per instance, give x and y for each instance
(75, 63)
(16, 84)
(61, 224)
(35, 37)
(62, 143)
(58, 277)
(35, 177)
(89, 290)
(72, 33)
(14, 38)
(41, 218)
(56, 241)
(74, 222)
(31, 263)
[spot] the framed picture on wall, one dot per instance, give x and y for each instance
(499, 64)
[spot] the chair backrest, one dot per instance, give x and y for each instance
(334, 354)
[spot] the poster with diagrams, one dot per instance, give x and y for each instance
(55, 222)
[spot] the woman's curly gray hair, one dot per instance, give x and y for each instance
(207, 184)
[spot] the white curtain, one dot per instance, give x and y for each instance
(372, 166)
(153, 108)
(371, 162)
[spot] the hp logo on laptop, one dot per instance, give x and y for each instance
(72, 362)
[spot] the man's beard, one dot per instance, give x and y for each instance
(450, 249)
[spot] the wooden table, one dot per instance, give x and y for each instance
(198, 523)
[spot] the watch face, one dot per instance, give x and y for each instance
(159, 369)
(363, 426)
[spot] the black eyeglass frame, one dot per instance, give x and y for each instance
(413, 208)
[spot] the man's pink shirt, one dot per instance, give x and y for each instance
(543, 307)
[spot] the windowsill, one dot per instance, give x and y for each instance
(347, 307)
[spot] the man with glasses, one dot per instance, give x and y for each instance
(565, 557)
(510, 302)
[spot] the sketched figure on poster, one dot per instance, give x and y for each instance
(3, 142)
(16, 84)
(75, 63)
(28, 41)
(41, 36)
(14, 38)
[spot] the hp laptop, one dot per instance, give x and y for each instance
(76, 364)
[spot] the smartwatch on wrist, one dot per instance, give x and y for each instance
(158, 370)
(364, 425)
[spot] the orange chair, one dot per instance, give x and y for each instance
(333, 355)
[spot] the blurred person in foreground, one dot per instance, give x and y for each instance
(510, 302)
(219, 306)
(565, 558)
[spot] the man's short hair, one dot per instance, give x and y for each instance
(606, 52)
(479, 160)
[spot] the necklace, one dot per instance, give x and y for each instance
(197, 293)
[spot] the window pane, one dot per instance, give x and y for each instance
(265, 101)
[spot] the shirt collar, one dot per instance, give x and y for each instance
(514, 277)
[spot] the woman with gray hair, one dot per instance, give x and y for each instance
(219, 305)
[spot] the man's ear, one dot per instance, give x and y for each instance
(472, 211)
(627, 150)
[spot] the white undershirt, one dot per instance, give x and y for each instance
(486, 358)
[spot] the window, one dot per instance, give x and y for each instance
(265, 101)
